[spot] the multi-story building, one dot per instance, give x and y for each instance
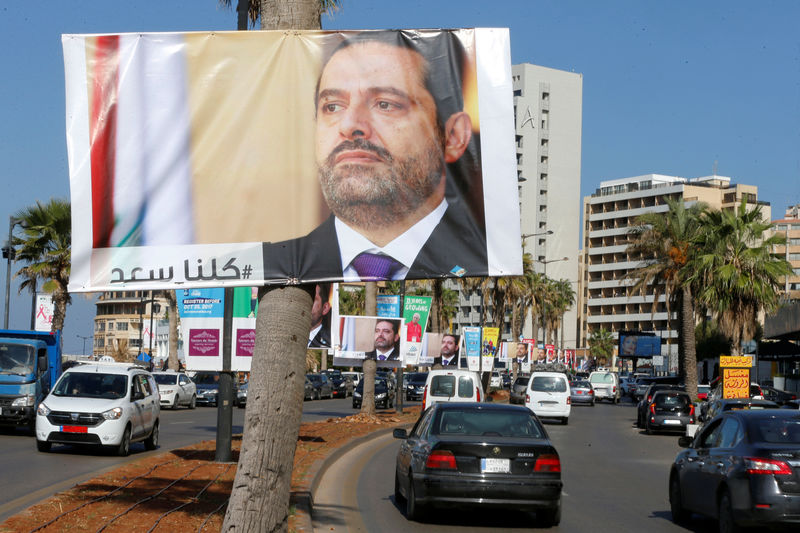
(609, 214)
(789, 227)
(548, 111)
(123, 322)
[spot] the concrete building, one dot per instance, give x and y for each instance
(548, 111)
(123, 319)
(789, 227)
(609, 214)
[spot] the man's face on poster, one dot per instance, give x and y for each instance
(522, 351)
(318, 308)
(541, 356)
(384, 336)
(448, 346)
(379, 149)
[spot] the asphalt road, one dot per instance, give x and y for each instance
(29, 476)
(615, 480)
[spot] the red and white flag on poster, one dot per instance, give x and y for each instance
(44, 312)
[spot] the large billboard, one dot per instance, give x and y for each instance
(243, 158)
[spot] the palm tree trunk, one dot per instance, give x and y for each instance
(688, 341)
(370, 365)
(173, 329)
(436, 305)
(260, 496)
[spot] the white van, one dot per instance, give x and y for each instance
(548, 395)
(606, 386)
(452, 386)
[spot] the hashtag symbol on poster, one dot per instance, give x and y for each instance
(247, 271)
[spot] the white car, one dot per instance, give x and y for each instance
(548, 395)
(176, 389)
(606, 386)
(496, 381)
(106, 404)
(452, 386)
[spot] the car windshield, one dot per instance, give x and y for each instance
(521, 381)
(776, 430)
(166, 379)
(92, 385)
(671, 400)
(418, 379)
(206, 379)
(602, 378)
(548, 384)
(580, 384)
(16, 359)
(487, 423)
(314, 378)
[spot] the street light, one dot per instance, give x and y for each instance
(83, 351)
(9, 254)
(545, 262)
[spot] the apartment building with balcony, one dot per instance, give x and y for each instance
(608, 300)
(789, 228)
(548, 112)
(123, 320)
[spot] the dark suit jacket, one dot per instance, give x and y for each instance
(323, 337)
(394, 355)
(456, 241)
(438, 361)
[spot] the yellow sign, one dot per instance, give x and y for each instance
(735, 383)
(735, 361)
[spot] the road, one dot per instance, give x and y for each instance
(34, 476)
(615, 479)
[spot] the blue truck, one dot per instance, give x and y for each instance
(30, 364)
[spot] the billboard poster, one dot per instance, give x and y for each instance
(43, 320)
(489, 347)
(442, 350)
(388, 305)
(416, 310)
(209, 159)
(472, 347)
(735, 382)
(426, 353)
(357, 338)
(323, 309)
(202, 314)
(550, 350)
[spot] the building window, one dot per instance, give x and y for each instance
(543, 159)
(543, 176)
(517, 92)
(545, 97)
(134, 343)
(100, 326)
(122, 326)
(545, 142)
(545, 118)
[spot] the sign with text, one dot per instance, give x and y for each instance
(735, 382)
(736, 361)
(416, 310)
(44, 312)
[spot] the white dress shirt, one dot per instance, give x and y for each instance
(404, 248)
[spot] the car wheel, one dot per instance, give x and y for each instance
(317, 395)
(679, 514)
(616, 399)
(193, 403)
(727, 524)
(549, 517)
(592, 403)
(398, 497)
(42, 445)
(151, 442)
(124, 447)
(647, 428)
(565, 420)
(413, 509)
(174, 403)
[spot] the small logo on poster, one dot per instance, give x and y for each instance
(204, 342)
(245, 342)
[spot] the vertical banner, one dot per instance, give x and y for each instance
(44, 312)
(416, 310)
(489, 347)
(550, 350)
(243, 336)
(388, 305)
(201, 312)
(472, 346)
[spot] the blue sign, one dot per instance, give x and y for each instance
(201, 303)
(388, 305)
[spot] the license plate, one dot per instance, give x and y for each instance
(672, 422)
(547, 403)
(74, 429)
(493, 465)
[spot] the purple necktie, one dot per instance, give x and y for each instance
(374, 267)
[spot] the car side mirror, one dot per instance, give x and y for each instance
(685, 442)
(400, 434)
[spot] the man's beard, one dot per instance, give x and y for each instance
(361, 196)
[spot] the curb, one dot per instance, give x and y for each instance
(303, 500)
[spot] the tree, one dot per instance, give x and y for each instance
(260, 495)
(663, 242)
(172, 316)
(370, 365)
(737, 275)
(44, 244)
(563, 302)
(601, 345)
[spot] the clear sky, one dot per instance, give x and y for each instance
(677, 88)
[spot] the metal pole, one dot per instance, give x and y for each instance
(141, 321)
(11, 222)
(400, 389)
(225, 395)
(152, 301)
(33, 305)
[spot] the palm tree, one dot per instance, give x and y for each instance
(664, 244)
(533, 299)
(738, 276)
(172, 316)
(601, 345)
(44, 243)
(260, 497)
(564, 300)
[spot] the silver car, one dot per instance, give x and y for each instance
(176, 389)
(581, 391)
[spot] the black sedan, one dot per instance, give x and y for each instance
(415, 385)
(342, 386)
(384, 394)
(781, 397)
(322, 385)
(477, 454)
(742, 468)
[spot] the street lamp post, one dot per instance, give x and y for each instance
(9, 254)
(544, 263)
(84, 337)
